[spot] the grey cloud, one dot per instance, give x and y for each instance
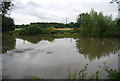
(33, 4)
(58, 11)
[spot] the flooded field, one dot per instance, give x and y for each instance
(52, 58)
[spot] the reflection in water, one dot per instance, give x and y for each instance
(51, 57)
(97, 47)
(8, 43)
(36, 39)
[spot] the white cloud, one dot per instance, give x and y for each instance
(26, 11)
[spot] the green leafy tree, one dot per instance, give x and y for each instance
(97, 25)
(6, 6)
(7, 22)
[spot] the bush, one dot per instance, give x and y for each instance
(33, 30)
(97, 25)
(62, 31)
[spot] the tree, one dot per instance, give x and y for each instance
(7, 22)
(6, 6)
(79, 19)
(97, 25)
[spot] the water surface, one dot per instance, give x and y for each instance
(52, 58)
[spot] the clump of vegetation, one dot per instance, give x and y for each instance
(113, 74)
(63, 33)
(97, 25)
(82, 74)
(38, 78)
(33, 30)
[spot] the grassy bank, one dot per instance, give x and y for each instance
(36, 30)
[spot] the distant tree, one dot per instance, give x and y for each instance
(71, 25)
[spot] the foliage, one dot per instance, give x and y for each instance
(36, 30)
(6, 6)
(50, 30)
(82, 74)
(7, 24)
(38, 78)
(118, 27)
(33, 30)
(97, 25)
(62, 31)
(113, 74)
(22, 26)
(51, 24)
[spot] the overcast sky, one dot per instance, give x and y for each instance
(26, 11)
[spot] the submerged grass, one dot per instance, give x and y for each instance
(82, 75)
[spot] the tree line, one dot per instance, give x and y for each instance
(49, 24)
(94, 24)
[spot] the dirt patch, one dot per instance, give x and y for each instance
(18, 28)
(63, 29)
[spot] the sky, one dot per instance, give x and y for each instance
(28, 11)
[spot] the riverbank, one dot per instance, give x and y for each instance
(54, 32)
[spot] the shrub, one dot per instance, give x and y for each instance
(33, 30)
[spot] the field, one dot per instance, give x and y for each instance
(63, 28)
(53, 29)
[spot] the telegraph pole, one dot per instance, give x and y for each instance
(66, 20)
(118, 2)
(119, 9)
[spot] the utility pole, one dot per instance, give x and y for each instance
(119, 9)
(118, 2)
(66, 20)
